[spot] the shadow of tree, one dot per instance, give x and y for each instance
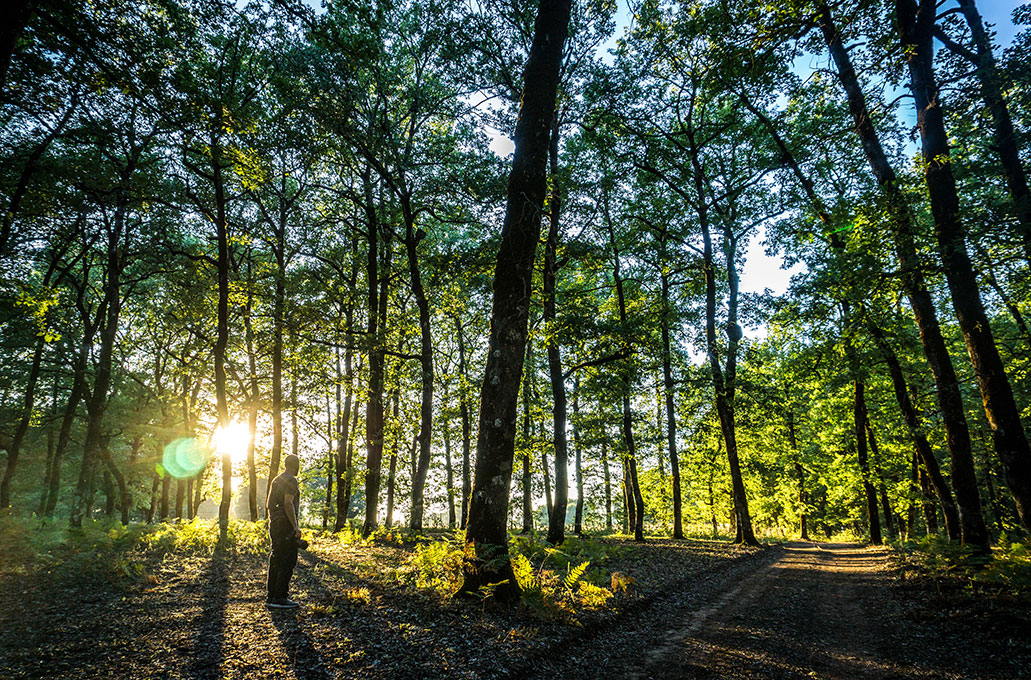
(208, 648)
(303, 659)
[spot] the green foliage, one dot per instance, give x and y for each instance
(1007, 571)
(114, 553)
(437, 566)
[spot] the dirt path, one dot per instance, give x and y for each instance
(701, 609)
(817, 611)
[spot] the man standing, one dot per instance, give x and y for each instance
(282, 506)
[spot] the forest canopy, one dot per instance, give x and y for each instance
(233, 231)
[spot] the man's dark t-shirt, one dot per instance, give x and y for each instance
(282, 485)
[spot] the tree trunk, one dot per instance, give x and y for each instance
(949, 397)
(803, 501)
(463, 408)
(180, 495)
(556, 509)
(166, 483)
(488, 508)
(67, 420)
(23, 424)
(922, 447)
(916, 25)
(222, 335)
(392, 466)
(412, 237)
(97, 403)
(19, 12)
(864, 465)
(377, 302)
(449, 474)
(330, 455)
(882, 489)
(1007, 144)
(578, 522)
(527, 447)
(252, 407)
(608, 480)
(343, 418)
(635, 499)
(671, 419)
(930, 516)
(278, 303)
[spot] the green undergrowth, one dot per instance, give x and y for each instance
(1007, 572)
(105, 549)
(557, 583)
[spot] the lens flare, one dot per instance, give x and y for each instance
(185, 457)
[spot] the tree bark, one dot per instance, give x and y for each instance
(864, 465)
(1007, 145)
(557, 509)
(922, 447)
(377, 302)
(97, 403)
(635, 499)
(222, 333)
(28, 401)
(19, 12)
(527, 447)
(916, 25)
(949, 397)
(412, 237)
(463, 408)
(578, 521)
(278, 304)
(392, 465)
(882, 489)
(608, 480)
(252, 407)
(488, 508)
(449, 472)
(671, 418)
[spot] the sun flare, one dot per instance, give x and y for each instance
(232, 440)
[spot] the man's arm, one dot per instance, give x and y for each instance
(288, 505)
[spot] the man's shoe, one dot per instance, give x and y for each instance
(283, 603)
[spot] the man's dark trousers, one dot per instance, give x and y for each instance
(282, 559)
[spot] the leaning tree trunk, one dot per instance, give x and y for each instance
(950, 400)
(527, 185)
(1007, 145)
(916, 25)
(922, 447)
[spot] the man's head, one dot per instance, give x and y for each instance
(292, 464)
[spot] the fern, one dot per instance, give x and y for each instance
(574, 574)
(524, 576)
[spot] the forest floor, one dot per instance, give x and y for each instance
(695, 609)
